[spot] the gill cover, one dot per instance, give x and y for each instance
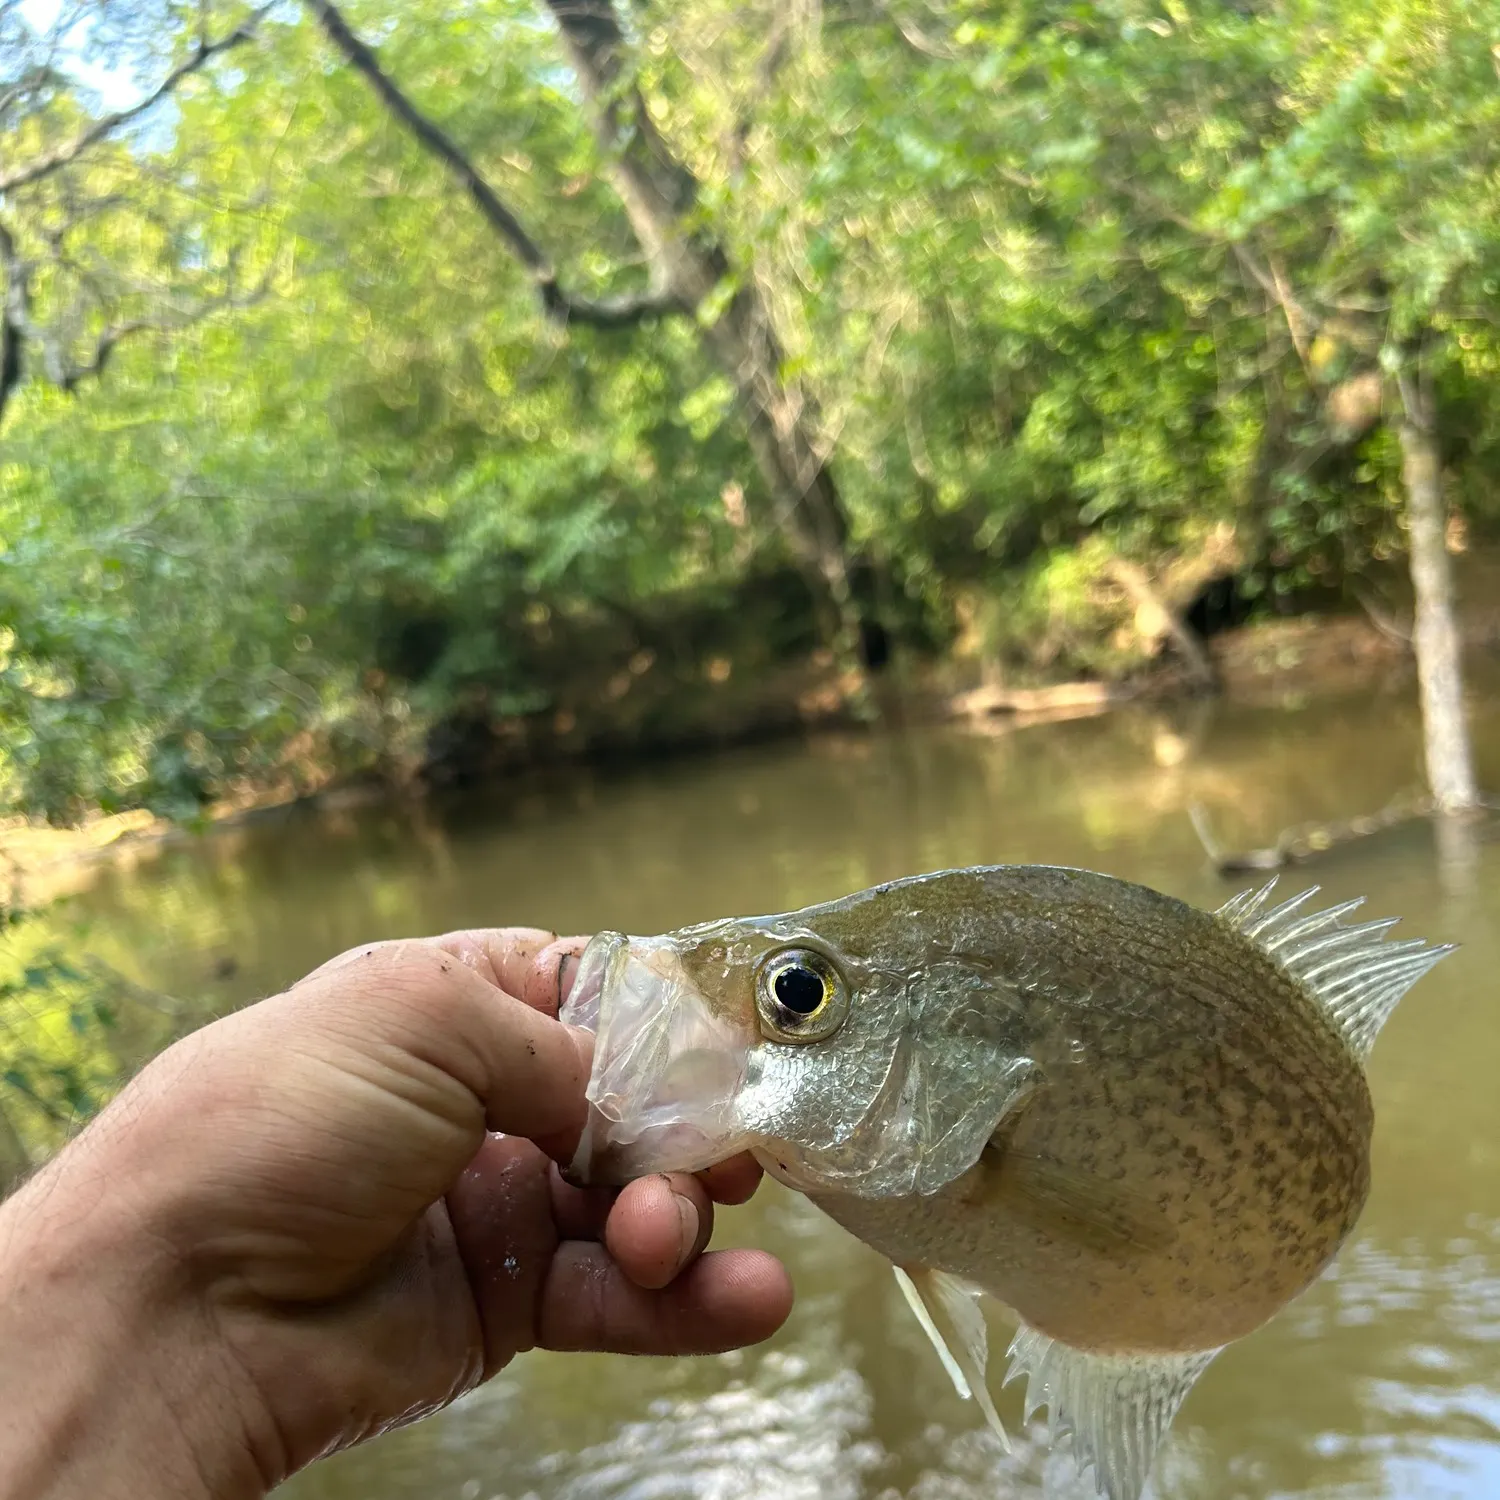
(898, 1097)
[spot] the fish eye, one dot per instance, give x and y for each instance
(801, 996)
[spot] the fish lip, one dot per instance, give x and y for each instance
(666, 1070)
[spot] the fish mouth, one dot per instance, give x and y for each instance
(666, 1069)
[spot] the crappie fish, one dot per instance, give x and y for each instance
(1143, 1127)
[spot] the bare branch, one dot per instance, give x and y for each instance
(918, 41)
(614, 312)
(18, 331)
(363, 60)
(1272, 281)
(32, 81)
(1387, 624)
(171, 321)
(1138, 585)
(201, 55)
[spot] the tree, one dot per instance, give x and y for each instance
(67, 181)
(689, 274)
(1409, 257)
(1096, 301)
(1327, 235)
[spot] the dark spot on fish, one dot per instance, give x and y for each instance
(531, 1048)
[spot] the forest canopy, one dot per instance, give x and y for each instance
(370, 373)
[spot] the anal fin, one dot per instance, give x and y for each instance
(949, 1312)
(1115, 1407)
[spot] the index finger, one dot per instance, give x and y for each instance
(533, 964)
(439, 1003)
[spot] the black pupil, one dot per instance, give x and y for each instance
(798, 989)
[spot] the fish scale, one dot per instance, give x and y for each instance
(1141, 1127)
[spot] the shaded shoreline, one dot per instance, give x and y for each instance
(1284, 663)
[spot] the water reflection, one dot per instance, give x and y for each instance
(1383, 1381)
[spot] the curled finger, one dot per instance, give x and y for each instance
(732, 1181)
(658, 1226)
(724, 1300)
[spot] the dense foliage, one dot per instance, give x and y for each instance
(300, 460)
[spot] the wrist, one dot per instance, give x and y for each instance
(113, 1384)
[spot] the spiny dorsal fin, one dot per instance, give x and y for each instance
(948, 1310)
(1351, 970)
(1116, 1407)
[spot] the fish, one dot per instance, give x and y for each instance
(1141, 1127)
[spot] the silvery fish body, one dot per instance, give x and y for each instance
(1143, 1127)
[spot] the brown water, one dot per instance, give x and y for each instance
(1383, 1381)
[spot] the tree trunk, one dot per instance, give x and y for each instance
(657, 191)
(781, 428)
(687, 268)
(1435, 637)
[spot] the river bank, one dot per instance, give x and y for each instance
(1283, 662)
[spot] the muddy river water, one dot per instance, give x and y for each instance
(1381, 1383)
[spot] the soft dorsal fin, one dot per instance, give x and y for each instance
(1116, 1408)
(1351, 970)
(948, 1310)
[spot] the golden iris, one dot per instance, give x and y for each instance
(800, 995)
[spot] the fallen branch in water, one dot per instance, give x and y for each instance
(1304, 841)
(1065, 696)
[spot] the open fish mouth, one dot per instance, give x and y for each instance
(666, 1069)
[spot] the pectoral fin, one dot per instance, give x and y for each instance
(1115, 1407)
(949, 1312)
(1075, 1206)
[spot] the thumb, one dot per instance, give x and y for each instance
(301, 1137)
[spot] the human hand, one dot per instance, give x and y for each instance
(293, 1231)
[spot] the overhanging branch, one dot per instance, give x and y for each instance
(615, 312)
(70, 376)
(19, 333)
(201, 55)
